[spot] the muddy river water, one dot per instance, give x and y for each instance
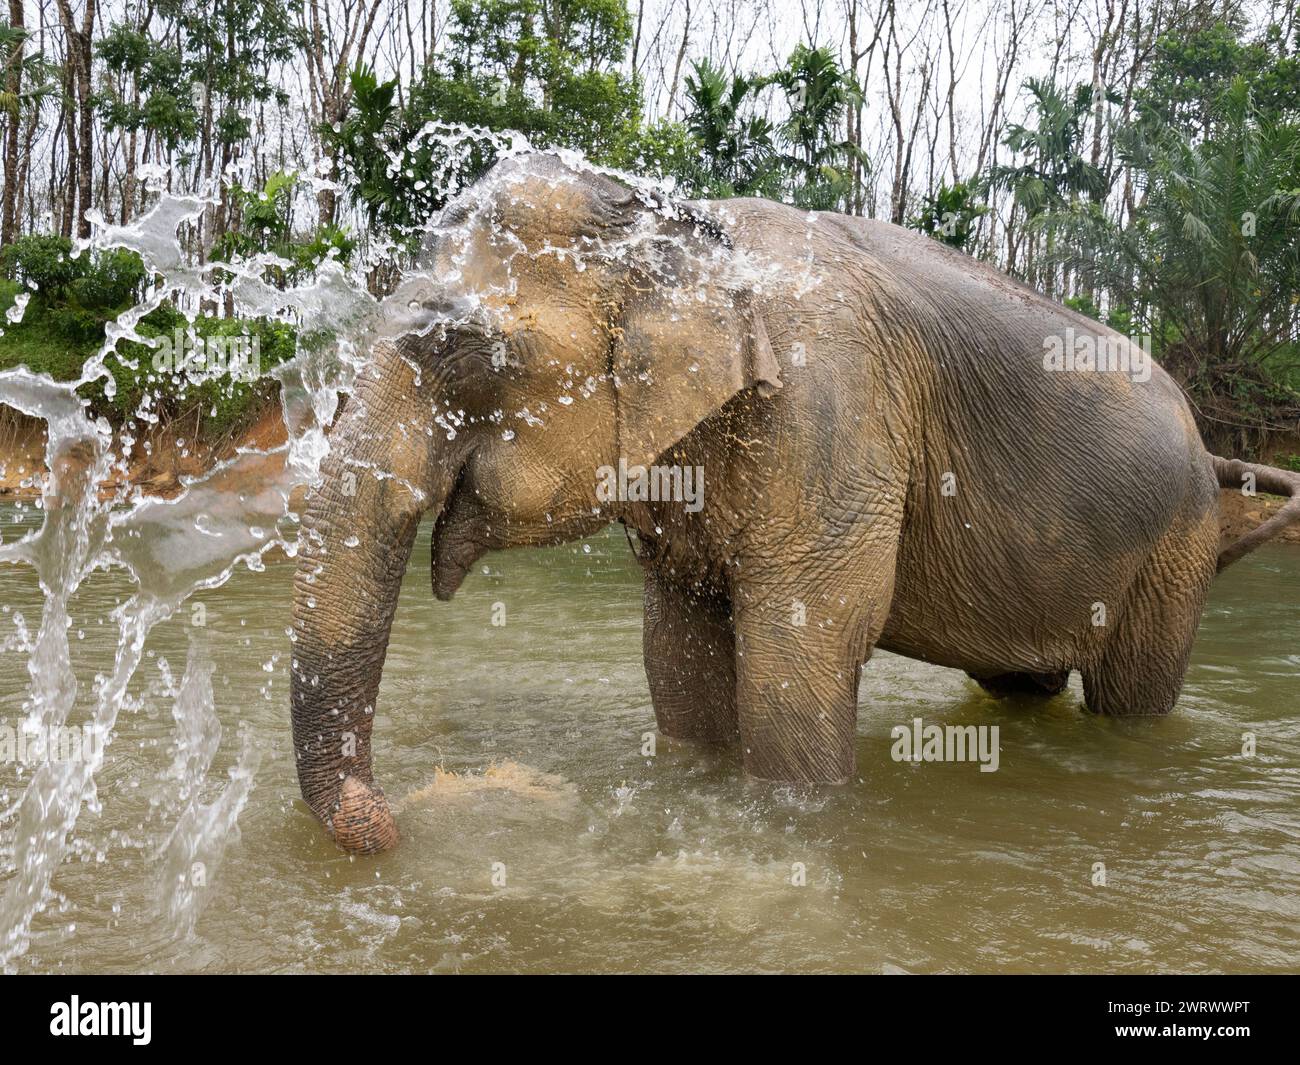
(539, 835)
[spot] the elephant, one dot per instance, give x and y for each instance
(888, 460)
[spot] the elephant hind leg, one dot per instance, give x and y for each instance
(1003, 685)
(1139, 667)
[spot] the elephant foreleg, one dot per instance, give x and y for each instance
(689, 660)
(800, 647)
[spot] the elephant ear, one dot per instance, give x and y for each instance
(688, 339)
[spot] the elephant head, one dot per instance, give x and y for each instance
(573, 321)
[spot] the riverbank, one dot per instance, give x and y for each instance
(159, 461)
(1239, 514)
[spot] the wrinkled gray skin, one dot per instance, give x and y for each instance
(827, 373)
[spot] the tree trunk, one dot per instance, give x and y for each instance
(13, 85)
(81, 140)
(331, 52)
(69, 119)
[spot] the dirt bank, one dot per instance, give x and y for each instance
(158, 462)
(1239, 514)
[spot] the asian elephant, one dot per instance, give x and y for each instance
(888, 459)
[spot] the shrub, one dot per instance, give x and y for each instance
(75, 295)
(219, 405)
(44, 262)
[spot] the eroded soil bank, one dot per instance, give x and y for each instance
(158, 461)
(1239, 514)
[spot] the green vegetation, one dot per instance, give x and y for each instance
(557, 81)
(71, 299)
(1165, 202)
(1207, 262)
(950, 215)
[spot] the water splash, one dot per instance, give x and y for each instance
(170, 549)
(191, 854)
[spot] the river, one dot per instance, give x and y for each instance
(540, 835)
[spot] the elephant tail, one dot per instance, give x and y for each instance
(1233, 473)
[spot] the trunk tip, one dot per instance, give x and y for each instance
(363, 822)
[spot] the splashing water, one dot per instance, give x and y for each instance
(170, 549)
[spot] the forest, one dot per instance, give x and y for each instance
(1138, 160)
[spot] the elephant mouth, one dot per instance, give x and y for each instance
(460, 537)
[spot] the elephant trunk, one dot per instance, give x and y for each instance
(343, 612)
(358, 528)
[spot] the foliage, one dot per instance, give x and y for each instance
(1213, 247)
(736, 155)
(218, 405)
(950, 214)
(1211, 257)
(374, 134)
(219, 62)
(38, 75)
(1054, 171)
(266, 226)
(1119, 319)
(818, 94)
(77, 294)
(666, 151)
(63, 325)
(1191, 70)
(164, 102)
(547, 70)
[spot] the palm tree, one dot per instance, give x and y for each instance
(738, 153)
(1054, 172)
(819, 94)
(1210, 262)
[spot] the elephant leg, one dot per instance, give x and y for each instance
(690, 660)
(800, 647)
(1003, 685)
(1140, 665)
